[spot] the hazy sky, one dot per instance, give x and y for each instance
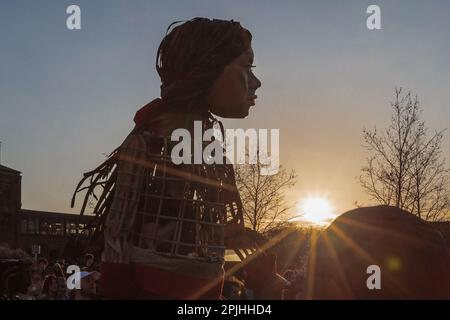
(68, 97)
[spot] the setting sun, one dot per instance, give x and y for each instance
(315, 209)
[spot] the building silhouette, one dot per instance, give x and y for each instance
(54, 232)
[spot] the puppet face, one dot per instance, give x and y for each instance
(233, 93)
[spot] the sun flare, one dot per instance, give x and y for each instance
(316, 210)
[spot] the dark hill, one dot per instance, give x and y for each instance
(413, 257)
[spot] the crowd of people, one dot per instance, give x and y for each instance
(297, 280)
(44, 280)
(246, 284)
(28, 279)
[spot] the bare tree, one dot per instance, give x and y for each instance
(263, 196)
(406, 168)
(429, 194)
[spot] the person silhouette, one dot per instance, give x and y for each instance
(165, 227)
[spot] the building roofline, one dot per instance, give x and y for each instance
(3, 168)
(55, 214)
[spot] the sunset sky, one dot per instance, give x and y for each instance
(69, 97)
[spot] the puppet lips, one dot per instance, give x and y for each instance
(252, 99)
